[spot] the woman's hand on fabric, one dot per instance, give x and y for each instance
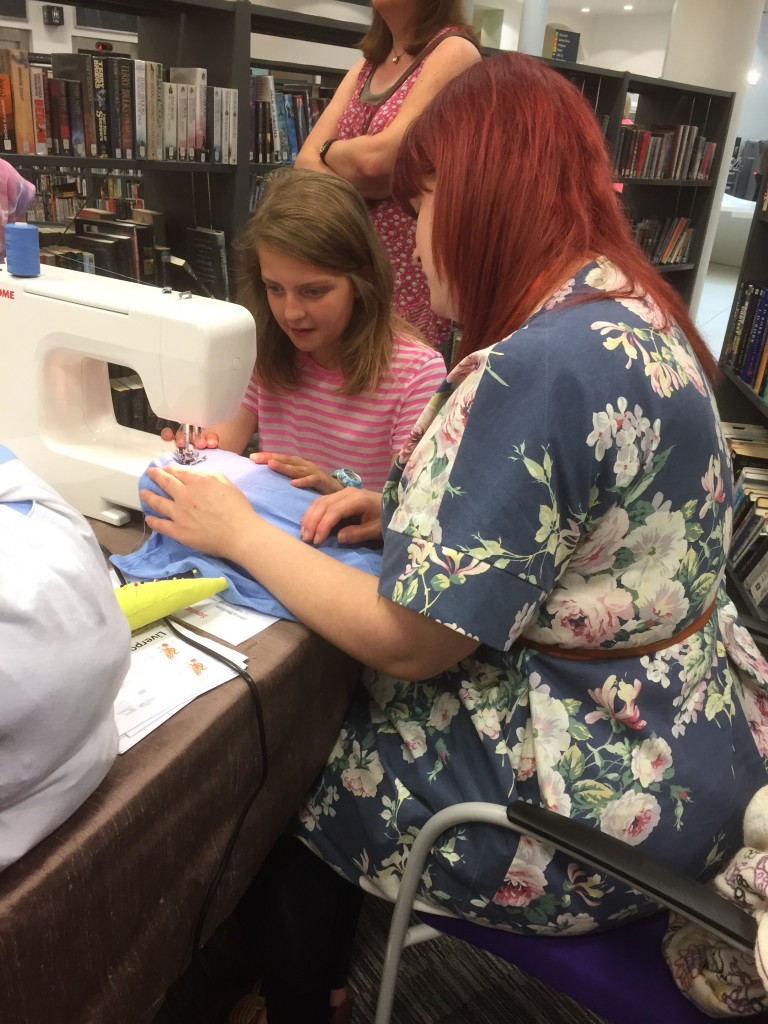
(325, 514)
(205, 511)
(302, 472)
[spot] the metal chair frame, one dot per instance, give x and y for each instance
(667, 887)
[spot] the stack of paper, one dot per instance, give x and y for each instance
(166, 674)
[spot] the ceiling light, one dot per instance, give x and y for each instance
(628, 7)
(753, 76)
(585, 10)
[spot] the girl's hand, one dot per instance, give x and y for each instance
(324, 514)
(203, 510)
(202, 438)
(302, 472)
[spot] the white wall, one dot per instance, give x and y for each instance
(635, 42)
(753, 120)
(58, 38)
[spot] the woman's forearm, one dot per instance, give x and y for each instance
(365, 163)
(207, 512)
(342, 604)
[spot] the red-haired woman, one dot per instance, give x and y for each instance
(412, 49)
(550, 622)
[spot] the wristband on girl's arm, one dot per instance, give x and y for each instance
(347, 477)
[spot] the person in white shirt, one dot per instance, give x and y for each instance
(65, 650)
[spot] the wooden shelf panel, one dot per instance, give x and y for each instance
(95, 163)
(271, 21)
(668, 182)
(151, 6)
(758, 616)
(746, 390)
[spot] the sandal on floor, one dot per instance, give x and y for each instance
(249, 1009)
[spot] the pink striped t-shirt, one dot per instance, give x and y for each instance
(360, 432)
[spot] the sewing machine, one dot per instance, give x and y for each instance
(57, 334)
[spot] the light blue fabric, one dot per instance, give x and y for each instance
(24, 507)
(273, 497)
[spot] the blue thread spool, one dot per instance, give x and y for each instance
(22, 247)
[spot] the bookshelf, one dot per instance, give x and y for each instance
(709, 112)
(659, 102)
(738, 398)
(180, 33)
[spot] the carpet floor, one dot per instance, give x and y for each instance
(444, 981)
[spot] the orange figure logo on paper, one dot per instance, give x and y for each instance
(168, 651)
(197, 666)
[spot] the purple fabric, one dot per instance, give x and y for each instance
(620, 975)
(16, 193)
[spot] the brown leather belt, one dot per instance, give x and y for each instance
(603, 653)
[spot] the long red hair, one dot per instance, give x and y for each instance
(523, 188)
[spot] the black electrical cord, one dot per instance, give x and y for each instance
(259, 710)
(228, 850)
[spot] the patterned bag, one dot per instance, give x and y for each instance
(720, 980)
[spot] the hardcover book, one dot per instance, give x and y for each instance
(171, 108)
(62, 132)
(140, 108)
(207, 255)
(197, 80)
(7, 131)
(38, 84)
(80, 67)
(112, 71)
(76, 115)
(101, 107)
(17, 65)
(154, 75)
(126, 105)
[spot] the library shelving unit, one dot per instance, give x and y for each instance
(736, 399)
(659, 102)
(662, 102)
(216, 34)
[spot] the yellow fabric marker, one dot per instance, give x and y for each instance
(143, 603)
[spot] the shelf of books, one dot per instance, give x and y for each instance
(748, 554)
(744, 362)
(666, 159)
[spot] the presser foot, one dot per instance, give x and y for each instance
(189, 456)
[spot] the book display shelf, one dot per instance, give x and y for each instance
(667, 160)
(669, 205)
(744, 363)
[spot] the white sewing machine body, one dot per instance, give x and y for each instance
(57, 334)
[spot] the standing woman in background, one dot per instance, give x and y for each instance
(412, 49)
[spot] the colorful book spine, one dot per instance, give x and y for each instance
(191, 121)
(101, 106)
(76, 116)
(7, 128)
(170, 114)
(113, 108)
(197, 80)
(140, 108)
(37, 80)
(126, 104)
(21, 93)
(233, 126)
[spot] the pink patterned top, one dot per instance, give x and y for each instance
(368, 114)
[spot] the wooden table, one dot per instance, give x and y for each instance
(97, 921)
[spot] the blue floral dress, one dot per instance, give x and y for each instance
(570, 486)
